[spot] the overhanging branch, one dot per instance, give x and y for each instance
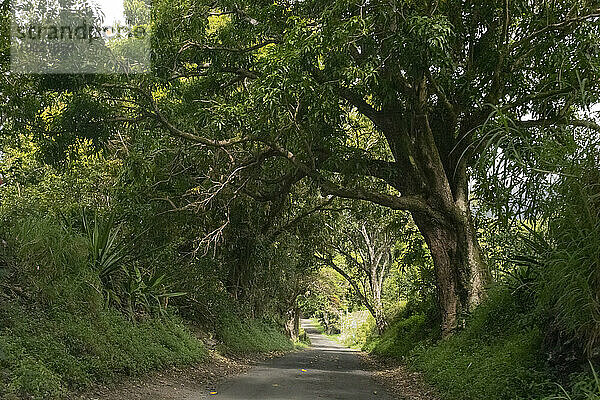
(409, 203)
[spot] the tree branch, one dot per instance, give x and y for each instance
(410, 203)
(158, 115)
(301, 217)
(557, 26)
(329, 262)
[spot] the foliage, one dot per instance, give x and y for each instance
(400, 338)
(355, 327)
(498, 355)
(48, 264)
(81, 288)
(467, 368)
(325, 299)
(220, 174)
(584, 386)
(570, 276)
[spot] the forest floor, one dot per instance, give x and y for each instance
(325, 370)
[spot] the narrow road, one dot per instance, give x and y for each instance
(325, 370)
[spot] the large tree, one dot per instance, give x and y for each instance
(387, 101)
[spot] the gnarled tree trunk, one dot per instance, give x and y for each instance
(438, 174)
(461, 275)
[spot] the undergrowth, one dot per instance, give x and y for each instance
(498, 355)
(71, 315)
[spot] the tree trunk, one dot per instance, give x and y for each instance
(292, 325)
(440, 177)
(378, 314)
(461, 274)
(380, 321)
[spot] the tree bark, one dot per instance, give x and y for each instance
(380, 320)
(461, 274)
(376, 289)
(292, 325)
(438, 174)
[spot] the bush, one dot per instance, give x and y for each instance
(570, 278)
(400, 338)
(50, 264)
(498, 355)
(467, 368)
(330, 321)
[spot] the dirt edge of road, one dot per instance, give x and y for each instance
(188, 382)
(176, 383)
(399, 379)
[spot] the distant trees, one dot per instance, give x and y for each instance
(360, 246)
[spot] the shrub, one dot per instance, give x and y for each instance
(466, 368)
(400, 338)
(497, 356)
(570, 279)
(50, 264)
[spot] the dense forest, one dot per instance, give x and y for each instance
(420, 177)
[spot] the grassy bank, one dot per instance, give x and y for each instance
(251, 336)
(46, 354)
(499, 354)
(75, 311)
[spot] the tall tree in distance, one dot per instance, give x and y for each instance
(366, 246)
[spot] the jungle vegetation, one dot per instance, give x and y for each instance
(421, 176)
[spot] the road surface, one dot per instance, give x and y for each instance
(325, 370)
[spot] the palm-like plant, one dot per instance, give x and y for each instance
(124, 284)
(107, 255)
(147, 291)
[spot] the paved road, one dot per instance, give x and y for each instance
(326, 370)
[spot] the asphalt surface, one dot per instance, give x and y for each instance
(325, 370)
